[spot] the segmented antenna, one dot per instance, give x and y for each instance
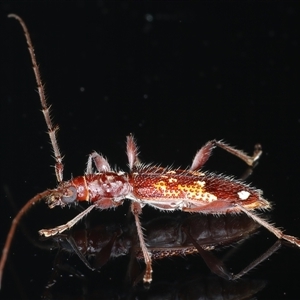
(59, 167)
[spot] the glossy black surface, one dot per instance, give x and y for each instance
(175, 75)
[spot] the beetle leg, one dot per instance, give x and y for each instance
(136, 210)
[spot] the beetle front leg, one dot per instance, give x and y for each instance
(103, 203)
(100, 162)
(67, 226)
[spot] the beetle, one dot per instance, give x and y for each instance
(164, 188)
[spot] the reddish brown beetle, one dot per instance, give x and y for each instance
(188, 190)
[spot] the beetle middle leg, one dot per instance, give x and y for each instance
(136, 210)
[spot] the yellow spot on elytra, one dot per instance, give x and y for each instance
(201, 183)
(166, 192)
(197, 192)
(160, 185)
(194, 191)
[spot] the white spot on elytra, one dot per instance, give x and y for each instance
(243, 195)
(171, 172)
(172, 180)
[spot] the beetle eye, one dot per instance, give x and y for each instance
(70, 195)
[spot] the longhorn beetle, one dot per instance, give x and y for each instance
(167, 189)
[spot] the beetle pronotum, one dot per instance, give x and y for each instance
(188, 190)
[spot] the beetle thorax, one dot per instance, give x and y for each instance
(108, 185)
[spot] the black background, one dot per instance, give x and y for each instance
(174, 74)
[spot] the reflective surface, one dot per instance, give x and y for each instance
(174, 75)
